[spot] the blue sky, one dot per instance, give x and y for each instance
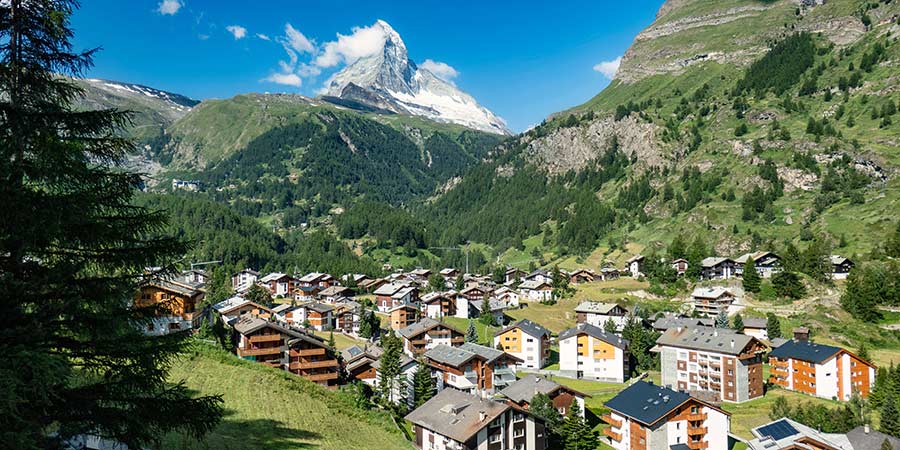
(523, 60)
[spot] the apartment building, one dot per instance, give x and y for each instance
(597, 314)
(527, 341)
(821, 370)
(472, 368)
(427, 334)
(276, 346)
(587, 351)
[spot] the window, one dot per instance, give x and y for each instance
(494, 438)
(532, 340)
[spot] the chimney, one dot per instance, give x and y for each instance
(801, 334)
(481, 416)
(732, 343)
(866, 428)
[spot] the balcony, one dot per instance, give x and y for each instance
(259, 351)
(698, 445)
(264, 338)
(608, 419)
(699, 417)
(308, 352)
(322, 376)
(612, 434)
(696, 431)
(313, 364)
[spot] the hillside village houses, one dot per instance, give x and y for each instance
(821, 370)
(597, 314)
(717, 268)
(787, 434)
(635, 265)
(175, 303)
(766, 263)
(427, 334)
(588, 352)
(472, 368)
(527, 341)
(840, 267)
(522, 392)
(712, 301)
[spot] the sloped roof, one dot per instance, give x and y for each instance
(595, 332)
(456, 414)
(755, 322)
(717, 340)
(318, 307)
(713, 261)
(524, 389)
(528, 327)
(805, 351)
(273, 277)
(711, 292)
(838, 259)
(635, 258)
(646, 402)
(457, 356)
(389, 288)
(422, 326)
(596, 307)
(533, 284)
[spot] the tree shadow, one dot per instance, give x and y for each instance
(246, 434)
(591, 418)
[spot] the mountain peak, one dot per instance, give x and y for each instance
(389, 80)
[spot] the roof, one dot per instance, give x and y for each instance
(635, 258)
(679, 447)
(784, 433)
(456, 414)
(282, 308)
(670, 321)
(494, 304)
(646, 402)
(838, 259)
(432, 296)
(404, 306)
(229, 304)
(861, 438)
(318, 307)
(389, 289)
(756, 257)
(711, 292)
(310, 277)
(533, 284)
(178, 287)
(528, 327)
(247, 325)
(524, 389)
(713, 261)
(717, 340)
(756, 322)
(595, 332)
(421, 272)
(405, 361)
(596, 307)
(805, 351)
(422, 326)
(457, 356)
(272, 277)
(332, 291)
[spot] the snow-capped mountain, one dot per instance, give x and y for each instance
(179, 104)
(389, 80)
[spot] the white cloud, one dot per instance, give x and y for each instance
(169, 7)
(365, 41)
(263, 37)
(608, 68)
(237, 31)
(296, 41)
(203, 37)
(288, 79)
(441, 70)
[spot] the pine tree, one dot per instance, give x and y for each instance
(72, 247)
(863, 352)
(331, 343)
(773, 326)
(486, 317)
(460, 283)
(886, 445)
(890, 417)
(751, 280)
(576, 433)
(471, 333)
(780, 408)
(542, 407)
(365, 324)
(259, 295)
(722, 320)
(423, 384)
(389, 369)
(738, 322)
(610, 326)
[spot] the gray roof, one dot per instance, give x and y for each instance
(755, 322)
(646, 402)
(671, 321)
(718, 340)
(318, 307)
(420, 327)
(635, 258)
(784, 433)
(805, 351)
(523, 390)
(838, 259)
(597, 307)
(282, 307)
(711, 292)
(528, 327)
(456, 414)
(246, 325)
(405, 361)
(593, 331)
(457, 356)
(713, 261)
(860, 438)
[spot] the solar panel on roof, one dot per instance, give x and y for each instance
(778, 430)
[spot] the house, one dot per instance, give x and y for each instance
(726, 365)
(420, 275)
(174, 305)
(439, 304)
(521, 393)
(507, 296)
(195, 276)
(596, 314)
(840, 267)
(299, 353)
(635, 265)
(317, 279)
(403, 316)
(787, 434)
(646, 416)
(372, 285)
(392, 295)
(680, 266)
(427, 334)
(278, 284)
(536, 291)
(474, 293)
(306, 293)
(609, 273)
(449, 274)
(319, 315)
(821, 370)
(347, 315)
(358, 362)
(766, 263)
(356, 279)
(468, 309)
(403, 389)
(588, 352)
(582, 276)
(238, 306)
(456, 420)
(472, 368)
(242, 280)
(539, 275)
(513, 275)
(527, 341)
(712, 301)
(332, 294)
(670, 320)
(716, 268)
(757, 327)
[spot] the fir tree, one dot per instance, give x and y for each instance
(72, 247)
(471, 333)
(331, 343)
(773, 326)
(576, 433)
(389, 369)
(460, 283)
(543, 408)
(610, 326)
(890, 417)
(435, 282)
(863, 352)
(722, 320)
(368, 324)
(423, 384)
(751, 280)
(486, 317)
(738, 322)
(259, 295)
(780, 408)
(886, 445)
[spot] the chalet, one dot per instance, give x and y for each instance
(288, 314)
(237, 307)
(456, 420)
(680, 266)
(712, 301)
(278, 284)
(508, 296)
(588, 352)
(319, 316)
(582, 276)
(646, 416)
(334, 293)
(716, 268)
(356, 279)
(347, 315)
(521, 393)
(420, 275)
(513, 275)
(635, 265)
(756, 327)
(174, 305)
(299, 353)
(428, 333)
(472, 368)
(449, 274)
(597, 314)
(766, 263)
(527, 341)
(195, 276)
(403, 316)
(787, 434)
(391, 295)
(474, 293)
(306, 293)
(719, 362)
(821, 370)
(670, 320)
(535, 290)
(468, 309)
(372, 285)
(840, 267)
(609, 273)
(242, 280)
(540, 275)
(358, 362)
(439, 304)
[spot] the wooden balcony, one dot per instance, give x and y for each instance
(699, 417)
(612, 434)
(696, 431)
(264, 338)
(259, 351)
(322, 376)
(308, 352)
(608, 419)
(271, 362)
(698, 445)
(313, 364)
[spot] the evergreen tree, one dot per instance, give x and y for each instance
(788, 284)
(259, 295)
(773, 326)
(486, 317)
(738, 322)
(722, 320)
(751, 280)
(576, 433)
(890, 417)
(423, 384)
(863, 352)
(542, 407)
(780, 408)
(368, 324)
(72, 247)
(471, 333)
(435, 282)
(460, 283)
(886, 445)
(389, 370)
(331, 343)
(610, 326)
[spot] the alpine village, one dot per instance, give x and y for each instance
(703, 255)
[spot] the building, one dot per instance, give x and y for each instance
(766, 263)
(173, 303)
(237, 307)
(273, 345)
(539, 275)
(821, 370)
(588, 352)
(278, 284)
(472, 368)
(635, 265)
(787, 434)
(757, 327)
(716, 268)
(712, 301)
(680, 266)
(670, 320)
(521, 393)
(404, 385)
(721, 363)
(468, 309)
(582, 276)
(317, 279)
(840, 267)
(347, 315)
(536, 290)
(403, 316)
(427, 334)
(527, 341)
(242, 280)
(513, 276)
(596, 314)
(439, 304)
(454, 420)
(508, 296)
(334, 293)
(646, 416)
(609, 273)
(391, 295)
(317, 316)
(358, 362)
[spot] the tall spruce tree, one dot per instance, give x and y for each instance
(73, 249)
(576, 433)
(738, 322)
(471, 333)
(890, 417)
(750, 278)
(423, 384)
(389, 368)
(722, 320)
(773, 326)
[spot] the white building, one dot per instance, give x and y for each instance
(527, 341)
(596, 314)
(587, 352)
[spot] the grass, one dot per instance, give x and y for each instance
(485, 332)
(748, 415)
(271, 409)
(341, 341)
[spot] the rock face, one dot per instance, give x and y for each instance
(390, 81)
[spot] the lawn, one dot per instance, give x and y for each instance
(272, 409)
(485, 332)
(748, 415)
(341, 341)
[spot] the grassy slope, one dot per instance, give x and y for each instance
(271, 409)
